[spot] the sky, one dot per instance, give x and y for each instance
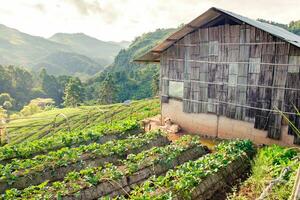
(117, 20)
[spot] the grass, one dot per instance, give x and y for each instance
(267, 166)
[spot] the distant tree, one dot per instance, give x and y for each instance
(7, 105)
(294, 27)
(30, 109)
(18, 82)
(5, 97)
(285, 26)
(50, 86)
(22, 86)
(5, 80)
(38, 93)
(43, 102)
(155, 84)
(108, 90)
(74, 93)
(36, 105)
(22, 83)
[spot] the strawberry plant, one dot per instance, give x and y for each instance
(75, 182)
(29, 149)
(17, 169)
(185, 178)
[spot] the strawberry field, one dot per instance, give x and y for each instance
(117, 159)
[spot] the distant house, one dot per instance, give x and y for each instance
(223, 74)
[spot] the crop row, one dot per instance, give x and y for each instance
(30, 149)
(42, 124)
(199, 179)
(137, 110)
(79, 119)
(121, 118)
(111, 180)
(55, 165)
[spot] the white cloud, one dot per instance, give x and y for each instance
(126, 19)
(85, 7)
(40, 7)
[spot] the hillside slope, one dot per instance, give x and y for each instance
(133, 80)
(103, 52)
(41, 125)
(65, 63)
(22, 49)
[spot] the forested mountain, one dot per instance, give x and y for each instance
(20, 48)
(122, 80)
(62, 51)
(65, 63)
(130, 80)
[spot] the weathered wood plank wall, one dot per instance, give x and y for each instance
(217, 65)
(292, 98)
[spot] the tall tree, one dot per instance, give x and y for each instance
(51, 86)
(5, 80)
(22, 84)
(294, 26)
(74, 93)
(155, 84)
(108, 90)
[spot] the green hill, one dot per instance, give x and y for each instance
(62, 54)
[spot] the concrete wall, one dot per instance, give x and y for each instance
(220, 126)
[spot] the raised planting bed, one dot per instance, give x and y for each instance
(92, 183)
(54, 166)
(199, 179)
(98, 134)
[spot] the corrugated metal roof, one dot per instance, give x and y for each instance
(274, 30)
(154, 54)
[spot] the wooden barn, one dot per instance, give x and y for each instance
(225, 75)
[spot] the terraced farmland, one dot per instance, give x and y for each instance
(117, 159)
(56, 121)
